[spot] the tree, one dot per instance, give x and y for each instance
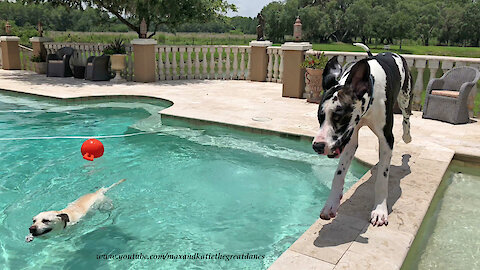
(357, 19)
(427, 21)
(244, 24)
(402, 22)
(470, 24)
(379, 24)
(155, 12)
(274, 29)
(450, 24)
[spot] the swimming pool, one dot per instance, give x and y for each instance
(449, 236)
(189, 189)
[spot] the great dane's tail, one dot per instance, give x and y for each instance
(365, 47)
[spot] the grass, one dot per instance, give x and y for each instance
(406, 49)
(162, 38)
(241, 39)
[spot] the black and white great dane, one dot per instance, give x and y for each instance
(363, 94)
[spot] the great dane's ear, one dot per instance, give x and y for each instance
(359, 78)
(331, 73)
(65, 218)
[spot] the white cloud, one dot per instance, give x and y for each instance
(248, 8)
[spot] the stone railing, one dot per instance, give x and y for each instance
(419, 64)
(275, 64)
(203, 62)
(26, 54)
(85, 50)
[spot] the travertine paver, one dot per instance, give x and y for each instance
(294, 260)
(347, 242)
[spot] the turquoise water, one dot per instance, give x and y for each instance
(453, 242)
(189, 189)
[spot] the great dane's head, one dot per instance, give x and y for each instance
(346, 98)
(49, 221)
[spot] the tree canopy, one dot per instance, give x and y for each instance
(157, 13)
(450, 22)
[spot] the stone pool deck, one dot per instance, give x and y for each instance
(348, 241)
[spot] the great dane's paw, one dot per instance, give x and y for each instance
(379, 216)
(407, 138)
(331, 207)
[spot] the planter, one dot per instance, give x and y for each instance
(118, 65)
(313, 85)
(40, 67)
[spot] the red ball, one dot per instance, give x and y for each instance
(92, 148)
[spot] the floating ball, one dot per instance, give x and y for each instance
(92, 148)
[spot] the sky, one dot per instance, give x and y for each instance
(248, 8)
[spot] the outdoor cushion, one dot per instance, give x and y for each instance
(446, 93)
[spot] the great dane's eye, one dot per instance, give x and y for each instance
(45, 221)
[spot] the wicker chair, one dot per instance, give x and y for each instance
(446, 98)
(58, 64)
(97, 68)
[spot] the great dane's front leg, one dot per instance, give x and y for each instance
(379, 214)
(333, 201)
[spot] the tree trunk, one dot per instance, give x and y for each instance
(400, 44)
(426, 41)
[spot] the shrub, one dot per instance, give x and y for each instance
(116, 47)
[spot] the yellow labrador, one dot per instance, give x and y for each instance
(50, 221)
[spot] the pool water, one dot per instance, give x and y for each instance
(454, 240)
(189, 189)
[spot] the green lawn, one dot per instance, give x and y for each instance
(406, 49)
(236, 39)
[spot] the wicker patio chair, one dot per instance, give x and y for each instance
(97, 68)
(58, 64)
(446, 98)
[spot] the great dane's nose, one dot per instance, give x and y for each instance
(32, 229)
(319, 147)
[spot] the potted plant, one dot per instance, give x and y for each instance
(313, 77)
(39, 63)
(117, 53)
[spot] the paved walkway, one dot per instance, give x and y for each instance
(347, 242)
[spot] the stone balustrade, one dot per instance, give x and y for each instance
(85, 50)
(436, 66)
(275, 64)
(203, 62)
(234, 63)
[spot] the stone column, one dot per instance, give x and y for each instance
(38, 47)
(259, 60)
(293, 74)
(144, 63)
(10, 52)
(420, 65)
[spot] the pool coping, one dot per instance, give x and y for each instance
(349, 242)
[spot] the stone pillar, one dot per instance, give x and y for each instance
(38, 47)
(144, 63)
(10, 52)
(259, 60)
(293, 73)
